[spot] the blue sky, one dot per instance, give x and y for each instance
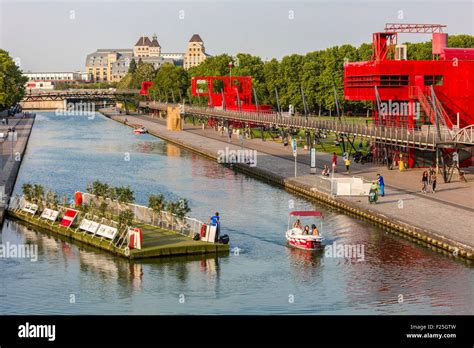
(57, 35)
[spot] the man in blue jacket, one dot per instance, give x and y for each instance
(215, 222)
(381, 184)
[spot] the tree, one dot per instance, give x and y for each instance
(125, 195)
(28, 192)
(212, 66)
(52, 199)
(103, 208)
(100, 189)
(248, 65)
(156, 203)
(132, 67)
(12, 82)
(144, 72)
(125, 218)
(38, 191)
(461, 41)
(170, 78)
(273, 80)
(125, 82)
(182, 208)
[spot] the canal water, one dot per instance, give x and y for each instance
(260, 276)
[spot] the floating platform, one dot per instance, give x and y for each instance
(157, 242)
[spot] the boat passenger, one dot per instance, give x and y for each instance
(297, 224)
(306, 230)
(315, 230)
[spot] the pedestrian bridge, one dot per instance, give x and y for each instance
(424, 139)
(54, 99)
(83, 94)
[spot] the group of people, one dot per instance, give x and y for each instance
(428, 181)
(306, 230)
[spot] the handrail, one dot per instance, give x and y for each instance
(397, 134)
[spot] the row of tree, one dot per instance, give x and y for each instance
(317, 74)
(12, 81)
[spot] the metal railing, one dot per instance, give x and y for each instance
(417, 138)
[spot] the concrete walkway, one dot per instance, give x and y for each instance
(10, 166)
(447, 214)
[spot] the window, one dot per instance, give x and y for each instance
(394, 80)
(433, 80)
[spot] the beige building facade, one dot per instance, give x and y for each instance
(111, 65)
(195, 52)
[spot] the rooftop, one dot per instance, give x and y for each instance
(143, 41)
(195, 38)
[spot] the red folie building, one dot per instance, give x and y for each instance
(227, 93)
(412, 93)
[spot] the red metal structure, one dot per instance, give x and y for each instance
(227, 93)
(413, 93)
(146, 85)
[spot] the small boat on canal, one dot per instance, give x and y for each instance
(140, 130)
(308, 237)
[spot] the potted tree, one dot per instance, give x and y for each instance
(157, 204)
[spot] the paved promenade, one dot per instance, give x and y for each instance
(10, 166)
(446, 215)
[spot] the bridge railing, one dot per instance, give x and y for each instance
(425, 137)
(84, 92)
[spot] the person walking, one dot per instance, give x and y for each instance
(347, 162)
(424, 181)
(381, 185)
(334, 161)
(433, 182)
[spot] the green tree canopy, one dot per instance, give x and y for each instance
(318, 73)
(12, 82)
(170, 80)
(144, 72)
(133, 66)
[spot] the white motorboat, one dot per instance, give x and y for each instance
(298, 238)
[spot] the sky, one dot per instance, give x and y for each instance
(57, 35)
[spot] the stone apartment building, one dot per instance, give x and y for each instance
(111, 65)
(195, 52)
